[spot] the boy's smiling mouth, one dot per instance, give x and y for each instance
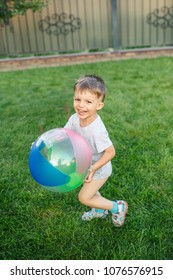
(82, 112)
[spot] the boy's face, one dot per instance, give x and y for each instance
(86, 106)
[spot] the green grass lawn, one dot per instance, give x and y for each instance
(138, 113)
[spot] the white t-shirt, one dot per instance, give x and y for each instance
(97, 137)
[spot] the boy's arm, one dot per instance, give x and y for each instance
(109, 153)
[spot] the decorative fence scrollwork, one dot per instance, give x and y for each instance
(162, 17)
(60, 24)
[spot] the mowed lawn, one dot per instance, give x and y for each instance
(138, 113)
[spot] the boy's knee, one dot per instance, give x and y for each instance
(82, 198)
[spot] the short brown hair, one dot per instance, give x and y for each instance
(92, 83)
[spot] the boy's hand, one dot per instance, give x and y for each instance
(108, 154)
(90, 175)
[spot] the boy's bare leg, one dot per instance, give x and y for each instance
(90, 196)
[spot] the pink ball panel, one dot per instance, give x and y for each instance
(82, 151)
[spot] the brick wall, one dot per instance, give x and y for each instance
(59, 60)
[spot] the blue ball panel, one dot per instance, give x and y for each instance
(43, 172)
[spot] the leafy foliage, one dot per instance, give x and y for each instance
(10, 8)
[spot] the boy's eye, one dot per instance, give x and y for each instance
(89, 102)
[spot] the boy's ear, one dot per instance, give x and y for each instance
(100, 106)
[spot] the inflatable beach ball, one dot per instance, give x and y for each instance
(60, 159)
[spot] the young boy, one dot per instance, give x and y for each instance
(89, 94)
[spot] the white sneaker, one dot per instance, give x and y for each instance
(119, 218)
(93, 213)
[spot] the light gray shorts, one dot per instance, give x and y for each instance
(103, 172)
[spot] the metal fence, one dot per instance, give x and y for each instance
(146, 23)
(78, 25)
